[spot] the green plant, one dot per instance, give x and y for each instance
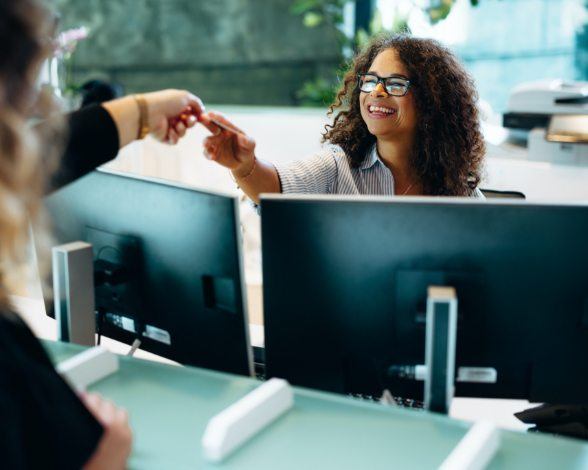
(316, 12)
(317, 92)
(321, 91)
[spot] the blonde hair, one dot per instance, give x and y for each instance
(23, 27)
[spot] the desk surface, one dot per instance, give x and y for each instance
(170, 407)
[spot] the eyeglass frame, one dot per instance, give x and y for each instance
(382, 80)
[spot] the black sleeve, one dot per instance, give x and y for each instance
(92, 141)
(11, 442)
(44, 424)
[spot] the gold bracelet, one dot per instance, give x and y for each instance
(143, 116)
(248, 174)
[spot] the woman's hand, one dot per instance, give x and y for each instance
(115, 446)
(233, 150)
(172, 113)
(169, 114)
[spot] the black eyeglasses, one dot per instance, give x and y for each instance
(394, 85)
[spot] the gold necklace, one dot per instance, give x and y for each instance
(407, 190)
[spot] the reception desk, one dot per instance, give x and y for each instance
(170, 406)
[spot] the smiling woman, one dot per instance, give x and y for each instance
(431, 136)
(388, 111)
(406, 123)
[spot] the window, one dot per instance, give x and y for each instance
(506, 42)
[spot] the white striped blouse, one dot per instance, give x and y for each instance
(330, 172)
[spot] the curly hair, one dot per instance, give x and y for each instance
(448, 148)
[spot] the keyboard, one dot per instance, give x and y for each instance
(392, 400)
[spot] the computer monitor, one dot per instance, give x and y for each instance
(167, 264)
(345, 284)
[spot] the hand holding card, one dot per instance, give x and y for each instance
(226, 127)
(229, 146)
(178, 125)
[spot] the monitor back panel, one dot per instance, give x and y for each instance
(345, 288)
(182, 248)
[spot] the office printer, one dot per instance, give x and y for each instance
(552, 115)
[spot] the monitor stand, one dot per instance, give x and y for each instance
(441, 332)
(73, 291)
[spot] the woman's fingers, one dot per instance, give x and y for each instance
(223, 120)
(180, 129)
(206, 121)
(103, 410)
(209, 149)
(172, 137)
(107, 412)
(92, 401)
(231, 148)
(190, 121)
(246, 142)
(221, 150)
(196, 104)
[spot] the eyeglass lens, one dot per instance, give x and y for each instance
(394, 85)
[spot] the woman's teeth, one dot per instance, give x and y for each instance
(380, 109)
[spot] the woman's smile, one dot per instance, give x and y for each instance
(380, 111)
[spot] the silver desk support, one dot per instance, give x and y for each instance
(440, 348)
(73, 290)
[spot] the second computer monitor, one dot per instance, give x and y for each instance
(167, 263)
(345, 283)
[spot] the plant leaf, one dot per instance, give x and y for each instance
(312, 19)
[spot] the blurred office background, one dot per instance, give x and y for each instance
(287, 52)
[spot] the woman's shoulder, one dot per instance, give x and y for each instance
(328, 157)
(333, 150)
(333, 154)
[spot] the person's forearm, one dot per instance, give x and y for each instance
(92, 141)
(262, 178)
(125, 113)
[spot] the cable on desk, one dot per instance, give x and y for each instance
(99, 325)
(134, 347)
